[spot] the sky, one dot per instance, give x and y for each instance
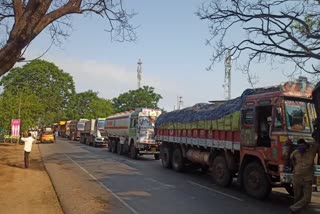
(171, 44)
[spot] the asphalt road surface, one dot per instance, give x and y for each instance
(144, 187)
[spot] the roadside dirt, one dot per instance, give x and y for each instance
(25, 190)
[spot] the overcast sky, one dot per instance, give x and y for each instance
(171, 44)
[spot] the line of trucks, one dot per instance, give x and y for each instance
(249, 138)
(130, 132)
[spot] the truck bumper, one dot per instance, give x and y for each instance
(148, 149)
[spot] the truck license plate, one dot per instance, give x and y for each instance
(153, 150)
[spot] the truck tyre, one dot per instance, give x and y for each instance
(166, 157)
(220, 173)
(289, 188)
(133, 152)
(255, 181)
(156, 156)
(177, 160)
(119, 148)
(114, 146)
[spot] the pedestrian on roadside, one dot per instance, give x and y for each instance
(302, 159)
(28, 141)
(56, 133)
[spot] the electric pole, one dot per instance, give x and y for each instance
(227, 76)
(179, 102)
(139, 73)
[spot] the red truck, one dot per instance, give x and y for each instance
(249, 138)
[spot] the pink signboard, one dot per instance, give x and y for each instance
(15, 127)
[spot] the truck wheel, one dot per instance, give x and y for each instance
(133, 152)
(156, 156)
(114, 147)
(177, 160)
(119, 148)
(166, 157)
(220, 172)
(289, 188)
(255, 181)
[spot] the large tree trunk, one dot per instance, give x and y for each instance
(9, 55)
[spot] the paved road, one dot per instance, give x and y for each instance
(143, 186)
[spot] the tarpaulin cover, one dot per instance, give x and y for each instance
(199, 114)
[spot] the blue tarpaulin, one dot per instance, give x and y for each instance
(206, 111)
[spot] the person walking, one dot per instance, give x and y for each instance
(28, 141)
(56, 133)
(302, 159)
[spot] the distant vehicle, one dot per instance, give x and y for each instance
(94, 133)
(100, 132)
(47, 137)
(71, 129)
(80, 128)
(132, 132)
(62, 128)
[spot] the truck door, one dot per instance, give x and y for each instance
(263, 128)
(247, 127)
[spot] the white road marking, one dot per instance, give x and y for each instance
(102, 185)
(159, 182)
(208, 188)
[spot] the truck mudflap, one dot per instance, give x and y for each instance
(288, 177)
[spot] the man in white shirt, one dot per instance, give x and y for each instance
(27, 148)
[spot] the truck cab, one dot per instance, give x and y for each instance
(271, 125)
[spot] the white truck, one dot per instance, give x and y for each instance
(100, 135)
(80, 127)
(132, 133)
(94, 133)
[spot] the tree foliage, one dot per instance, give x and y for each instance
(88, 105)
(287, 30)
(142, 97)
(45, 92)
(21, 21)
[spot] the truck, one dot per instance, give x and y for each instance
(94, 133)
(87, 135)
(80, 128)
(100, 137)
(249, 138)
(71, 129)
(62, 128)
(132, 132)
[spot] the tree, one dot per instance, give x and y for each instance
(287, 30)
(23, 20)
(44, 90)
(88, 105)
(142, 97)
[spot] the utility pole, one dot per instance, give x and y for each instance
(227, 76)
(179, 102)
(139, 73)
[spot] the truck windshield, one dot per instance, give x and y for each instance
(144, 122)
(297, 116)
(80, 126)
(101, 124)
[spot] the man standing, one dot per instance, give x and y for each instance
(303, 162)
(27, 148)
